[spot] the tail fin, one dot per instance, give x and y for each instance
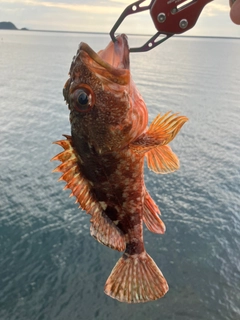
(136, 278)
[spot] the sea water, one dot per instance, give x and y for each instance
(50, 266)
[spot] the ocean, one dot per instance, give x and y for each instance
(50, 266)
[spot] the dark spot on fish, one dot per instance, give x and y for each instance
(134, 247)
(125, 256)
(100, 194)
(118, 194)
(94, 167)
(112, 213)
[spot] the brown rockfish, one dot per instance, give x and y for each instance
(103, 162)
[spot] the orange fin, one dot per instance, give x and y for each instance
(136, 279)
(151, 216)
(162, 130)
(102, 228)
(162, 160)
(106, 232)
(72, 175)
(165, 128)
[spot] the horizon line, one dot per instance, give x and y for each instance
(131, 34)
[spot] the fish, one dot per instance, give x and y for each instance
(102, 163)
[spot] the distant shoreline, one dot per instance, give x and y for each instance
(7, 25)
(11, 27)
(129, 34)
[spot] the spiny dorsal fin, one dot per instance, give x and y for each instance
(72, 175)
(151, 214)
(102, 228)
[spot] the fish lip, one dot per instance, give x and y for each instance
(114, 58)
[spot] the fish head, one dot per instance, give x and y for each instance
(106, 109)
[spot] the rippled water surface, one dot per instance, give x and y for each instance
(50, 266)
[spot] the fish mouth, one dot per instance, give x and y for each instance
(114, 58)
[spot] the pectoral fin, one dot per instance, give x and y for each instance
(162, 160)
(162, 130)
(153, 143)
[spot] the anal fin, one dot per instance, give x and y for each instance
(106, 232)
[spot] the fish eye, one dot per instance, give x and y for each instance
(83, 98)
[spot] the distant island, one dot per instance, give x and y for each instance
(9, 26)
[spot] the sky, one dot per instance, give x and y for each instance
(100, 16)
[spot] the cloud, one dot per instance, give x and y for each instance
(84, 8)
(214, 9)
(106, 7)
(126, 2)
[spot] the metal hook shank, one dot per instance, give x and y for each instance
(151, 43)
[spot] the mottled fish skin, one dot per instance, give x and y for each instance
(103, 162)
